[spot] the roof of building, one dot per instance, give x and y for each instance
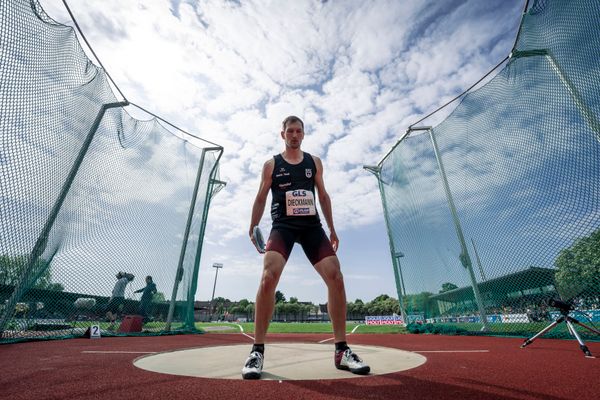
(530, 278)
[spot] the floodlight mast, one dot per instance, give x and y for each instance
(217, 266)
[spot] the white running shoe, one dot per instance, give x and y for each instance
(349, 361)
(253, 367)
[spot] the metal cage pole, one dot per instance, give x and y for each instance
(376, 170)
(399, 255)
(478, 261)
(210, 192)
(42, 240)
(465, 259)
(179, 273)
(586, 112)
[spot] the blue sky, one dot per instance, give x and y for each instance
(358, 73)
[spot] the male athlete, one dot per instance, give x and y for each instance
(292, 177)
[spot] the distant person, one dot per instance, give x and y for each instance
(292, 177)
(117, 298)
(147, 296)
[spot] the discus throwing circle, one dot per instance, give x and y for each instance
(283, 361)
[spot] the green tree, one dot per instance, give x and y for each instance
(218, 305)
(279, 297)
(305, 310)
(293, 309)
(243, 303)
(418, 303)
(293, 300)
(350, 308)
(374, 307)
(359, 307)
(381, 297)
(158, 297)
(237, 309)
(220, 309)
(578, 267)
(447, 287)
(281, 309)
(250, 310)
(390, 306)
(11, 268)
(356, 309)
(240, 307)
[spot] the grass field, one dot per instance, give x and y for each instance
(516, 330)
(527, 329)
(522, 330)
(299, 327)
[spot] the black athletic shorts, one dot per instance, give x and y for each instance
(314, 242)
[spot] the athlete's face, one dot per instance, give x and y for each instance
(293, 135)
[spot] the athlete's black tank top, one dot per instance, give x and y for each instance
(293, 191)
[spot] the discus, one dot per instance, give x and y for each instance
(259, 241)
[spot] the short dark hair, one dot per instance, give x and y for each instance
(290, 120)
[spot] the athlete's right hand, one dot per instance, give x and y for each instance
(251, 235)
(335, 242)
(257, 239)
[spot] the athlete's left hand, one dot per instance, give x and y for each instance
(335, 242)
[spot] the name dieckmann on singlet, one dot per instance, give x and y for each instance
(293, 192)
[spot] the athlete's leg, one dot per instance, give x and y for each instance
(265, 298)
(273, 263)
(329, 269)
(318, 249)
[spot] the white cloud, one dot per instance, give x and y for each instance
(357, 72)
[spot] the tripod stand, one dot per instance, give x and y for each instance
(566, 318)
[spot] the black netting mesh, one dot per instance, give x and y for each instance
(89, 195)
(521, 159)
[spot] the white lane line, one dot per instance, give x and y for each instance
(242, 331)
(451, 351)
(327, 340)
(118, 352)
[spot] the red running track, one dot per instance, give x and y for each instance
(547, 369)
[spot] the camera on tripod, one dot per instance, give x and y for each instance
(563, 306)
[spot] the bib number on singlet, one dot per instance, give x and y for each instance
(300, 203)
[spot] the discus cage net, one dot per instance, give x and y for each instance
(495, 210)
(89, 194)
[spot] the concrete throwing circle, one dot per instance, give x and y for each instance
(283, 361)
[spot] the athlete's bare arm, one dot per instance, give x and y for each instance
(325, 203)
(261, 197)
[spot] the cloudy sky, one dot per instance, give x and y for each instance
(358, 73)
